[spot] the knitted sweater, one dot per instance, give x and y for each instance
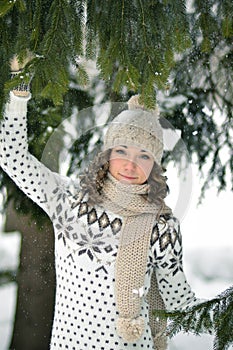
(86, 240)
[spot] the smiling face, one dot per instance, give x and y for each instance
(130, 164)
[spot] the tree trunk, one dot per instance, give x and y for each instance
(36, 283)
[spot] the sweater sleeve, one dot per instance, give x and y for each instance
(167, 253)
(31, 176)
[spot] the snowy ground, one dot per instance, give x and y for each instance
(208, 271)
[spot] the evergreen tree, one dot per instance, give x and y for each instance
(214, 316)
(141, 47)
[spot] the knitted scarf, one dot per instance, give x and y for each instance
(131, 263)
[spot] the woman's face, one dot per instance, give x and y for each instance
(130, 164)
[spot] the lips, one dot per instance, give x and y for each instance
(128, 177)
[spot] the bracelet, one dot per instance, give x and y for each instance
(23, 89)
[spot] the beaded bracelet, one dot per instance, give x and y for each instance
(23, 89)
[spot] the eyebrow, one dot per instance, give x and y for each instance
(142, 150)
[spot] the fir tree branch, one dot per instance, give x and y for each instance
(213, 316)
(6, 6)
(7, 277)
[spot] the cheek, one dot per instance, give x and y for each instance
(114, 164)
(146, 169)
(151, 167)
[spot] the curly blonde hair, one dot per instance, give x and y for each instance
(93, 179)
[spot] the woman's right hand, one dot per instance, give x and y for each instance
(16, 66)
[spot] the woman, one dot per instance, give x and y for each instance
(118, 247)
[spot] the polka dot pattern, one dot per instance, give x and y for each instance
(86, 310)
(86, 241)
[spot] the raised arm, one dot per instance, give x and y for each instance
(30, 175)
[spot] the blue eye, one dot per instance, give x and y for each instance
(145, 156)
(120, 151)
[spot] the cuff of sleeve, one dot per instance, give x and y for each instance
(19, 98)
(17, 105)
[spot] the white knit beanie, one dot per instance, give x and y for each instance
(136, 127)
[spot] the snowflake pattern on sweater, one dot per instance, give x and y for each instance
(86, 241)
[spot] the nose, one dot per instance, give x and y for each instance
(130, 165)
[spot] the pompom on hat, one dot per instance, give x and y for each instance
(136, 127)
